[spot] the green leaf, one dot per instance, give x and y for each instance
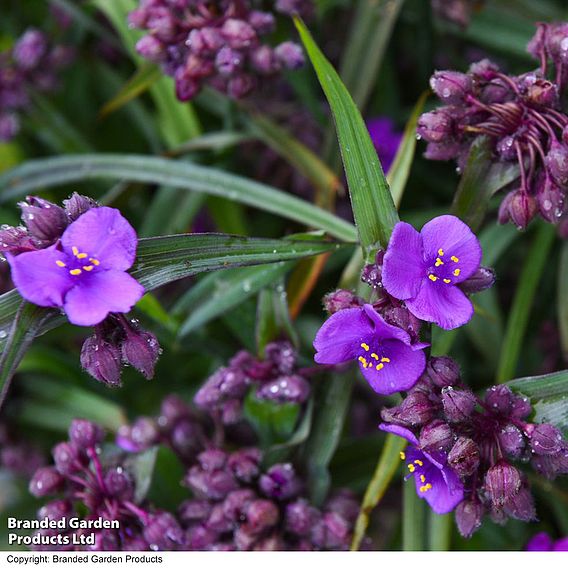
(166, 491)
(39, 174)
(562, 300)
(141, 467)
(439, 531)
(371, 200)
(140, 82)
(399, 172)
(481, 178)
(523, 301)
(387, 465)
(413, 519)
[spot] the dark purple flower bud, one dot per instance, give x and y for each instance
(550, 199)
(187, 439)
(141, 349)
(224, 384)
(236, 504)
(502, 483)
(401, 317)
(45, 220)
(290, 55)
(464, 456)
(545, 439)
(195, 510)
(263, 60)
(229, 61)
(451, 87)
(332, 532)
(240, 85)
(280, 482)
(499, 399)
(556, 162)
(435, 126)
(458, 404)
(238, 33)
(77, 204)
(163, 532)
(217, 520)
(9, 126)
(262, 22)
(302, 8)
(85, 434)
(212, 459)
(556, 39)
(210, 484)
(282, 355)
(56, 510)
(16, 240)
(102, 360)
(119, 484)
(415, 410)
(442, 151)
(151, 48)
(521, 407)
(243, 538)
(29, 49)
(506, 149)
(66, 458)
(521, 506)
(482, 279)
(143, 433)
(137, 18)
(161, 23)
(345, 503)
(46, 480)
(437, 436)
(245, 464)
(511, 440)
(522, 208)
(186, 87)
(172, 409)
(261, 515)
(231, 411)
(468, 517)
(204, 41)
(341, 300)
(443, 371)
(301, 517)
(201, 538)
(288, 389)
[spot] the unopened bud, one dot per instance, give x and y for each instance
(502, 483)
(522, 208)
(29, 49)
(141, 349)
(66, 458)
(45, 481)
(500, 399)
(102, 360)
(545, 439)
(45, 220)
(119, 484)
(511, 440)
(482, 279)
(285, 389)
(245, 464)
(458, 404)
(521, 506)
(435, 126)
(443, 371)
(238, 33)
(85, 434)
(436, 436)
(556, 162)
(280, 482)
(464, 456)
(451, 87)
(77, 204)
(290, 55)
(468, 517)
(341, 300)
(416, 409)
(261, 515)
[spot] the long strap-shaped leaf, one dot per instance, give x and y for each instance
(371, 200)
(37, 174)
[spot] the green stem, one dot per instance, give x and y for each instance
(413, 519)
(440, 531)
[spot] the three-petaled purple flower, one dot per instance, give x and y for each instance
(387, 359)
(435, 481)
(424, 269)
(85, 272)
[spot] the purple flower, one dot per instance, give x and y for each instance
(387, 359)
(85, 272)
(424, 269)
(385, 139)
(542, 542)
(435, 480)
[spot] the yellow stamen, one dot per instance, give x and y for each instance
(375, 356)
(419, 462)
(457, 272)
(379, 366)
(75, 250)
(60, 263)
(440, 252)
(432, 277)
(423, 478)
(447, 280)
(363, 345)
(94, 261)
(439, 262)
(88, 268)
(385, 360)
(411, 468)
(454, 258)
(363, 361)
(75, 271)
(402, 455)
(82, 255)
(425, 488)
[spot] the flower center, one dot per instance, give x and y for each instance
(369, 359)
(416, 468)
(76, 264)
(444, 270)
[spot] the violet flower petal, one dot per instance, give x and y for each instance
(37, 277)
(400, 431)
(94, 297)
(540, 542)
(103, 233)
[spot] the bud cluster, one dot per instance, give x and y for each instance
(277, 378)
(522, 117)
(219, 44)
(32, 63)
(480, 439)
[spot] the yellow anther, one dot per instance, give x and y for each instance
(411, 468)
(439, 262)
(379, 366)
(363, 361)
(402, 455)
(94, 261)
(457, 272)
(419, 462)
(75, 271)
(375, 356)
(423, 478)
(385, 360)
(425, 488)
(60, 263)
(75, 250)
(440, 252)
(88, 268)
(447, 280)
(363, 345)
(432, 277)
(454, 258)
(82, 255)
